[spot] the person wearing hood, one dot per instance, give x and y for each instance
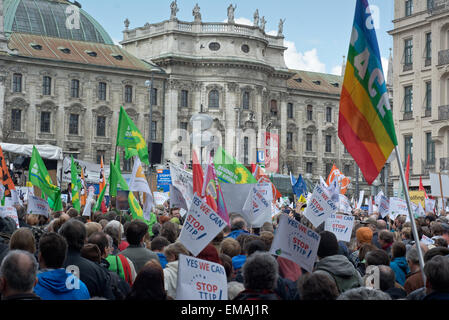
(336, 266)
(238, 227)
(54, 283)
(399, 262)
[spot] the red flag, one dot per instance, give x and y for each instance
(197, 175)
(212, 192)
(407, 170)
(421, 187)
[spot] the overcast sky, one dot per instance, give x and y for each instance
(316, 32)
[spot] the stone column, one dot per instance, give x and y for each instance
(171, 116)
(231, 124)
(283, 137)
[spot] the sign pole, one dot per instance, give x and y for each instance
(443, 211)
(412, 218)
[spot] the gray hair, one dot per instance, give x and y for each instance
(364, 293)
(260, 271)
(412, 255)
(112, 229)
(110, 241)
(19, 269)
(437, 273)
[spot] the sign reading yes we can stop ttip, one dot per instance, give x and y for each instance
(295, 242)
(319, 207)
(340, 225)
(201, 226)
(200, 280)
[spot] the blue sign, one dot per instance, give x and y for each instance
(163, 180)
(95, 185)
(261, 156)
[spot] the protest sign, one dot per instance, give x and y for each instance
(417, 197)
(38, 206)
(89, 202)
(435, 187)
(295, 242)
(201, 226)
(398, 206)
(11, 212)
(430, 205)
(182, 212)
(361, 195)
(340, 225)
(426, 240)
(378, 197)
(160, 197)
(91, 170)
(163, 180)
(257, 208)
(235, 195)
(420, 211)
(15, 197)
(9, 202)
(383, 206)
(344, 205)
(200, 280)
(319, 207)
(176, 198)
(65, 197)
(183, 181)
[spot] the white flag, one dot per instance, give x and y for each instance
(138, 180)
(89, 202)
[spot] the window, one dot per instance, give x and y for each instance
(290, 110)
(328, 114)
(100, 154)
(309, 113)
(245, 100)
(245, 150)
(347, 170)
(46, 86)
(345, 151)
(73, 123)
(408, 99)
(309, 142)
(274, 107)
(45, 121)
(328, 147)
(184, 125)
(428, 98)
(214, 46)
(102, 91)
(153, 130)
(408, 52)
(290, 140)
(17, 82)
(154, 97)
(408, 7)
(408, 148)
(184, 99)
(214, 99)
(101, 126)
(430, 149)
(75, 89)
(128, 94)
(328, 169)
(309, 167)
(429, 4)
(428, 49)
(245, 48)
(16, 119)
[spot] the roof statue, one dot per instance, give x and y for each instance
(263, 22)
(196, 13)
(256, 18)
(281, 27)
(174, 10)
(231, 10)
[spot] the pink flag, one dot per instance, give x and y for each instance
(212, 192)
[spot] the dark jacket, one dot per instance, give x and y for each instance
(437, 296)
(413, 281)
(396, 293)
(51, 285)
(341, 270)
(375, 240)
(400, 268)
(418, 294)
(94, 276)
(257, 295)
(120, 288)
(286, 289)
(22, 296)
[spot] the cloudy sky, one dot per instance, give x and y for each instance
(316, 32)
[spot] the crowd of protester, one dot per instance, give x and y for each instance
(110, 256)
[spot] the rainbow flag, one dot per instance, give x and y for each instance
(365, 124)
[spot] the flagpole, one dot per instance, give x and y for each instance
(412, 218)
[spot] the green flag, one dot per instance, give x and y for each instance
(134, 206)
(39, 177)
(76, 185)
(100, 199)
(129, 137)
(130, 152)
(229, 170)
(113, 177)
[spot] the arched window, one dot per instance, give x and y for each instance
(214, 99)
(309, 112)
(274, 107)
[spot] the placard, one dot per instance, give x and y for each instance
(10, 212)
(430, 205)
(183, 181)
(320, 207)
(257, 208)
(435, 185)
(344, 205)
(383, 206)
(398, 206)
(340, 225)
(200, 227)
(200, 280)
(160, 197)
(38, 206)
(417, 197)
(296, 242)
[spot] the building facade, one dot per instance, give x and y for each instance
(421, 87)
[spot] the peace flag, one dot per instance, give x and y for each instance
(365, 124)
(129, 137)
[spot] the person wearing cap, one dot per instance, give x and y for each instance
(363, 235)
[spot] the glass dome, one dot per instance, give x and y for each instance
(48, 18)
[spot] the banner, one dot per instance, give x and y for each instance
(383, 206)
(24, 191)
(417, 197)
(295, 242)
(344, 205)
(89, 203)
(177, 199)
(257, 208)
(398, 206)
(361, 195)
(200, 280)
(163, 180)
(200, 227)
(91, 170)
(340, 225)
(430, 205)
(183, 181)
(38, 205)
(378, 197)
(161, 197)
(271, 152)
(320, 207)
(9, 212)
(435, 185)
